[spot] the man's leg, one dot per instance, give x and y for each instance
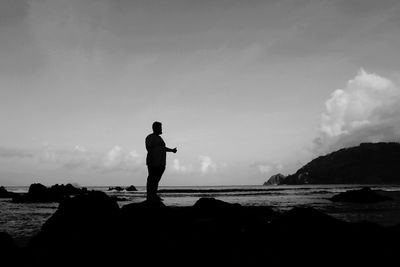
(158, 175)
(151, 187)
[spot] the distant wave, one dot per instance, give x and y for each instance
(191, 191)
(228, 190)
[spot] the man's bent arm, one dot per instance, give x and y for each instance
(170, 149)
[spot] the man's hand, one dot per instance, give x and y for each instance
(174, 150)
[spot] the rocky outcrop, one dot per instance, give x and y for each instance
(116, 188)
(80, 233)
(275, 179)
(86, 214)
(90, 230)
(364, 195)
(119, 188)
(8, 251)
(5, 194)
(131, 188)
(40, 193)
(119, 199)
(368, 163)
(212, 205)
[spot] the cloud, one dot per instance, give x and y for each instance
(116, 159)
(178, 167)
(80, 148)
(204, 165)
(366, 110)
(207, 165)
(267, 167)
(6, 152)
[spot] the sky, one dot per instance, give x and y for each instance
(244, 89)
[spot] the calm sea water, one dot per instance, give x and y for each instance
(24, 220)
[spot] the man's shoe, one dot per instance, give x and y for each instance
(155, 199)
(159, 198)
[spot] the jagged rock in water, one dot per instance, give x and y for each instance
(5, 194)
(364, 195)
(40, 193)
(131, 188)
(275, 179)
(117, 188)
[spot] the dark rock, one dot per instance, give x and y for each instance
(368, 163)
(215, 207)
(364, 195)
(5, 194)
(66, 190)
(6, 243)
(275, 179)
(90, 230)
(40, 193)
(85, 224)
(307, 217)
(36, 193)
(82, 213)
(117, 188)
(143, 207)
(131, 188)
(115, 198)
(37, 189)
(8, 250)
(213, 204)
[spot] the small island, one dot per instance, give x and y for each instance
(368, 163)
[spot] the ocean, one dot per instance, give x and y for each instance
(22, 221)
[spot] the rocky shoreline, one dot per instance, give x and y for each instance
(90, 229)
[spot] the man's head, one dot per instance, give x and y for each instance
(157, 127)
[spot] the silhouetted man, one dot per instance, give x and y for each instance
(155, 160)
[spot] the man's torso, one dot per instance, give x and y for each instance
(156, 153)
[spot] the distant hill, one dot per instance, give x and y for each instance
(368, 163)
(275, 179)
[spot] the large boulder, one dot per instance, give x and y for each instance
(5, 194)
(117, 188)
(212, 204)
(131, 188)
(83, 226)
(214, 208)
(40, 193)
(8, 250)
(275, 179)
(89, 230)
(83, 214)
(143, 213)
(36, 193)
(66, 190)
(364, 195)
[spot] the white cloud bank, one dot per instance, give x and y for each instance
(114, 160)
(204, 165)
(366, 110)
(177, 166)
(207, 165)
(80, 158)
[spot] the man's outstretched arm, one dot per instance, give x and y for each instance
(171, 149)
